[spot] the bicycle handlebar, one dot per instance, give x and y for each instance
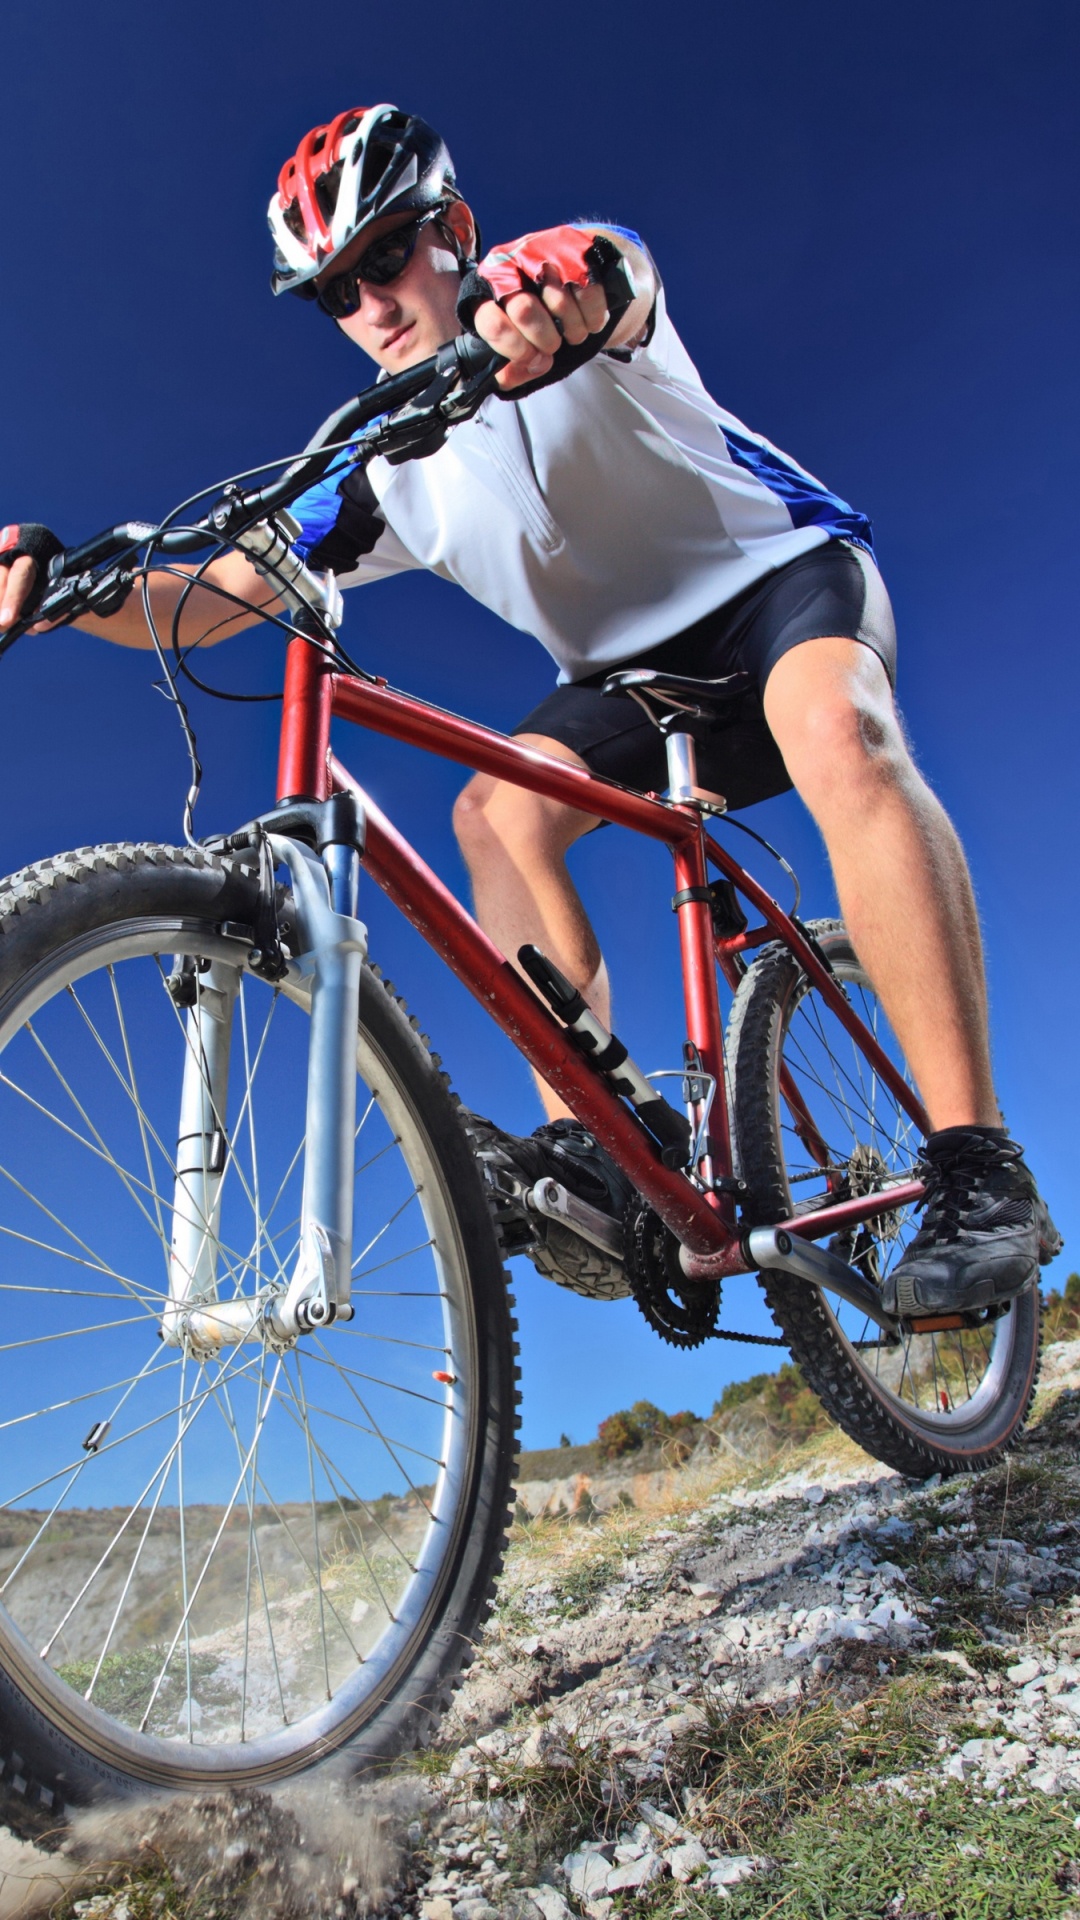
(406, 417)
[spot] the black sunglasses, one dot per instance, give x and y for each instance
(380, 264)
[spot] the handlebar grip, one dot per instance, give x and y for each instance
(475, 356)
(15, 632)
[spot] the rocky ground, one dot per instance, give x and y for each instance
(817, 1689)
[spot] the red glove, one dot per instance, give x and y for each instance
(573, 255)
(559, 253)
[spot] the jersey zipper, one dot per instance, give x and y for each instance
(520, 482)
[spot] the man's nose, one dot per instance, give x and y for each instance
(377, 304)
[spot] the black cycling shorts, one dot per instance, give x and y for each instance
(835, 589)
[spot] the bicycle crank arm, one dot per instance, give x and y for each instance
(774, 1247)
(555, 1203)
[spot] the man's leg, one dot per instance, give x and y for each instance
(514, 844)
(900, 872)
(906, 897)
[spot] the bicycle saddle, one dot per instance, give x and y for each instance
(663, 695)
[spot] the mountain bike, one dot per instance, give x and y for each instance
(258, 1407)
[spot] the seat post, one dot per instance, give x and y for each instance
(682, 766)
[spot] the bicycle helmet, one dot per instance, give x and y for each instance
(368, 162)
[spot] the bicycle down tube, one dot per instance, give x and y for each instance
(703, 1222)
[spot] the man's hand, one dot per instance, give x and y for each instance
(528, 328)
(543, 295)
(16, 586)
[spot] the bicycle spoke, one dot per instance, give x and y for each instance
(246, 1531)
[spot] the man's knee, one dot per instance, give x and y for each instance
(490, 815)
(838, 731)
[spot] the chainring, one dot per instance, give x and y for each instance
(683, 1312)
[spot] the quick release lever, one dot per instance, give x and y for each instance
(607, 1052)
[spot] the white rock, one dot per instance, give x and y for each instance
(1070, 1701)
(893, 1613)
(821, 1619)
(687, 1860)
(733, 1868)
(493, 1744)
(550, 1902)
(814, 1496)
(635, 1873)
(1045, 1780)
(957, 1767)
(587, 1871)
(1014, 1756)
(438, 1908)
(1023, 1671)
(628, 1850)
(660, 1822)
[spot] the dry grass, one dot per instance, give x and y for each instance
(756, 1767)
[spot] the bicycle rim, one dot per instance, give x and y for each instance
(823, 1127)
(213, 1566)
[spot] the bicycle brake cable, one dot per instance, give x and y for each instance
(727, 820)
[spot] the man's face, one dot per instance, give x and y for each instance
(417, 313)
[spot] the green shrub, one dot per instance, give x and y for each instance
(618, 1435)
(644, 1425)
(1062, 1310)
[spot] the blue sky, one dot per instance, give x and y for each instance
(865, 218)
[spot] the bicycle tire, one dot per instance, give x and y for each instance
(942, 1402)
(69, 927)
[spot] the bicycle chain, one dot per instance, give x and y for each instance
(681, 1311)
(684, 1314)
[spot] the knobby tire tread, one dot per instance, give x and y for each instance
(42, 1771)
(754, 1037)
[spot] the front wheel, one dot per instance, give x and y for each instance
(225, 1568)
(816, 1125)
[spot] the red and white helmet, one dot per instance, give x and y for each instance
(368, 162)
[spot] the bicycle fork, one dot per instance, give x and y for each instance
(332, 943)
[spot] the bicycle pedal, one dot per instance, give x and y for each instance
(941, 1322)
(554, 1202)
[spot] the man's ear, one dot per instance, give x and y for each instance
(458, 217)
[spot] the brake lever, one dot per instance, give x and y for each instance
(465, 370)
(102, 595)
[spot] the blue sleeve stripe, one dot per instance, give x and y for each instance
(317, 509)
(809, 503)
(612, 226)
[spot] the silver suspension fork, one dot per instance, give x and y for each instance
(332, 944)
(202, 1146)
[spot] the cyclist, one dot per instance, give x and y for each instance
(626, 518)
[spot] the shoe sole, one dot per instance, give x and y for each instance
(910, 1308)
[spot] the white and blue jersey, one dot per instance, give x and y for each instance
(603, 514)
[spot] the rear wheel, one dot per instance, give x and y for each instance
(815, 1125)
(225, 1568)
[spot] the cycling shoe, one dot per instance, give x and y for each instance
(563, 1151)
(985, 1229)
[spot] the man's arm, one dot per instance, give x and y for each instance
(205, 612)
(527, 328)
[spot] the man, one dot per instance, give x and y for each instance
(621, 517)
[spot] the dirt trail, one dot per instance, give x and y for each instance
(668, 1704)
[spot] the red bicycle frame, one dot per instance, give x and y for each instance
(702, 1219)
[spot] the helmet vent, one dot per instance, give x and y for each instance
(326, 190)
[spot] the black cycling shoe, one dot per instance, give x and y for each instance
(985, 1231)
(564, 1151)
